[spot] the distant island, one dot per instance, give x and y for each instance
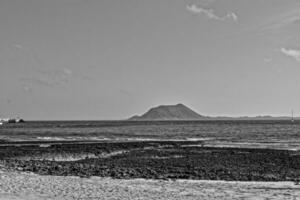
(182, 112)
(170, 112)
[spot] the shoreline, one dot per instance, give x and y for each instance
(200, 142)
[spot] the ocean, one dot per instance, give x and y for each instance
(275, 134)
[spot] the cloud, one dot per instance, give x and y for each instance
(267, 60)
(57, 75)
(281, 23)
(48, 78)
(210, 13)
(291, 53)
(198, 10)
(126, 92)
(42, 74)
(290, 17)
(18, 46)
(232, 16)
(28, 52)
(206, 2)
(35, 81)
(26, 88)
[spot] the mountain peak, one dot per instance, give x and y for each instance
(169, 112)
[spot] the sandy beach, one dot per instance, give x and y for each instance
(29, 186)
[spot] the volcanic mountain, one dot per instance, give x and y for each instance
(169, 112)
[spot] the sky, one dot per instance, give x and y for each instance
(111, 59)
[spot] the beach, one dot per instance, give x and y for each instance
(29, 186)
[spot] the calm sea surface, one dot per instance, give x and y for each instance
(258, 134)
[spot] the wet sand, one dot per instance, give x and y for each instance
(29, 186)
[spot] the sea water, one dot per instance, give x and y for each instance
(278, 134)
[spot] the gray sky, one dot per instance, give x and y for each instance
(110, 59)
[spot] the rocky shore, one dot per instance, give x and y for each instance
(154, 160)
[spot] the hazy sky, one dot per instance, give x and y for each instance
(110, 59)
